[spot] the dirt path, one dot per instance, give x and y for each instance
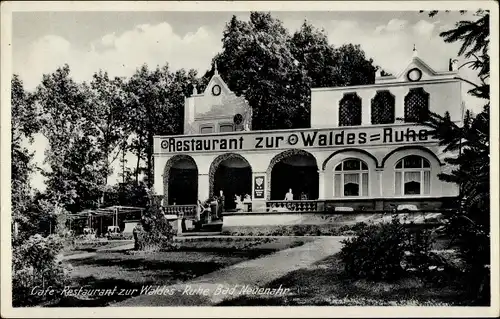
(230, 282)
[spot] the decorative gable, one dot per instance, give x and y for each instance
(217, 86)
(416, 63)
(217, 106)
(415, 71)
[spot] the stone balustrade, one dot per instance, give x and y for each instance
(292, 206)
(183, 211)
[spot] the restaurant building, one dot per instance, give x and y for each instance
(363, 150)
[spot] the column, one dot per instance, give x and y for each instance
(203, 187)
(377, 190)
(159, 164)
(377, 186)
(321, 184)
(259, 190)
(321, 194)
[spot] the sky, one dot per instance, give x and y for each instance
(120, 42)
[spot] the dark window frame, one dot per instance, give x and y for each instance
(350, 103)
(226, 124)
(203, 126)
(383, 103)
(421, 113)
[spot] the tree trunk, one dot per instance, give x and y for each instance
(138, 164)
(107, 164)
(123, 161)
(150, 159)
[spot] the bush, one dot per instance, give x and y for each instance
(473, 242)
(36, 264)
(155, 232)
(386, 251)
(89, 244)
(298, 230)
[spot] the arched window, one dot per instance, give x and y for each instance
(350, 110)
(416, 105)
(383, 108)
(351, 178)
(413, 176)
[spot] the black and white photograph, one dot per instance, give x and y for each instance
(278, 156)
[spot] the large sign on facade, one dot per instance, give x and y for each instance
(303, 139)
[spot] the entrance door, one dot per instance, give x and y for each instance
(298, 172)
(233, 177)
(183, 183)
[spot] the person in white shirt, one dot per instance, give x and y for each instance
(238, 202)
(289, 195)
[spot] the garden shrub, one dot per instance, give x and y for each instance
(154, 233)
(299, 230)
(387, 251)
(90, 243)
(376, 253)
(36, 263)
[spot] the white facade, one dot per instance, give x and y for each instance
(381, 178)
(443, 88)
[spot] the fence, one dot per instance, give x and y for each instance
(183, 211)
(292, 206)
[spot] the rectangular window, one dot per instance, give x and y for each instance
(351, 184)
(412, 183)
(206, 129)
(427, 182)
(364, 184)
(226, 128)
(397, 187)
(336, 185)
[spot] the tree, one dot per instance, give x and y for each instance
(313, 52)
(471, 226)
(353, 68)
(472, 138)
(328, 66)
(155, 105)
(34, 258)
(77, 164)
(256, 61)
(275, 71)
(24, 124)
(106, 111)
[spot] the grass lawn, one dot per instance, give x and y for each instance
(88, 247)
(193, 258)
(324, 284)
